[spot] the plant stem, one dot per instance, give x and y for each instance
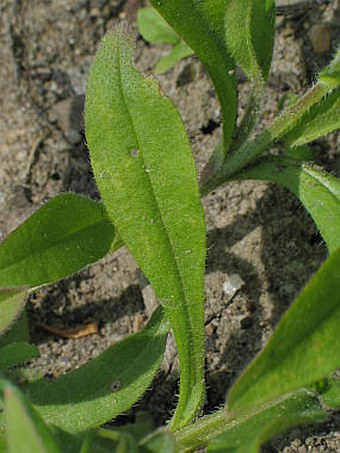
(252, 150)
(201, 432)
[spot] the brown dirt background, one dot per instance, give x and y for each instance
(256, 230)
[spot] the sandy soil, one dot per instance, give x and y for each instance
(255, 230)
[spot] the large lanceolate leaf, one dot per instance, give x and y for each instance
(201, 24)
(26, 432)
(12, 302)
(250, 36)
(107, 385)
(66, 234)
(145, 172)
(322, 119)
(317, 190)
(251, 431)
(304, 347)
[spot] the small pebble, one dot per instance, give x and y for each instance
(232, 285)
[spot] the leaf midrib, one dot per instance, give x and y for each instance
(153, 194)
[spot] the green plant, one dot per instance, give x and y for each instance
(137, 140)
(155, 29)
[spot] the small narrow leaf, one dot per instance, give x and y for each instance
(66, 234)
(250, 37)
(12, 303)
(304, 347)
(201, 24)
(107, 385)
(154, 28)
(318, 191)
(180, 50)
(322, 119)
(26, 432)
(16, 353)
(248, 433)
(144, 168)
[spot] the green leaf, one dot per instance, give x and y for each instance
(107, 385)
(143, 164)
(278, 130)
(201, 24)
(248, 433)
(161, 441)
(181, 50)
(108, 441)
(300, 153)
(154, 28)
(330, 75)
(26, 432)
(322, 119)
(250, 37)
(16, 353)
(66, 234)
(317, 190)
(304, 347)
(17, 332)
(12, 303)
(331, 397)
(3, 448)
(68, 443)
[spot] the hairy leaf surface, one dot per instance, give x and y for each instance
(107, 385)
(304, 347)
(250, 37)
(330, 75)
(317, 190)
(145, 172)
(26, 432)
(201, 24)
(66, 234)
(322, 119)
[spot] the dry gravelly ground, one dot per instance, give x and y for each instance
(255, 230)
